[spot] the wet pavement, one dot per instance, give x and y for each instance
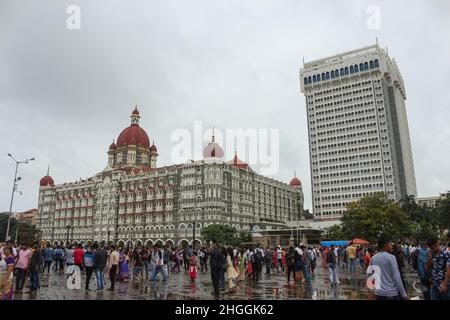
(180, 287)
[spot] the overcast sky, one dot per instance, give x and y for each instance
(66, 94)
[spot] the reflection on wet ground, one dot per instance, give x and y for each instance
(180, 287)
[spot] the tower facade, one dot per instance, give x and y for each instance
(358, 129)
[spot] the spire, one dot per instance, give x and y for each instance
(295, 174)
(48, 170)
(135, 116)
(213, 135)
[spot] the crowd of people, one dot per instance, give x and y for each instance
(228, 266)
(387, 262)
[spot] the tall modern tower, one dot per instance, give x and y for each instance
(358, 129)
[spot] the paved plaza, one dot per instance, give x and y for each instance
(180, 287)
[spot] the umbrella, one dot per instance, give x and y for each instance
(360, 241)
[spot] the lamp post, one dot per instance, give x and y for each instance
(107, 240)
(67, 236)
(16, 179)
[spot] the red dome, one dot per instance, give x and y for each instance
(135, 111)
(47, 181)
(295, 182)
(133, 135)
(112, 146)
(153, 148)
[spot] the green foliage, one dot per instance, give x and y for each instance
(25, 232)
(371, 217)
(335, 233)
(225, 235)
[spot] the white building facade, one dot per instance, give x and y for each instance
(358, 130)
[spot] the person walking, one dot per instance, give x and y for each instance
(22, 264)
(6, 273)
(215, 264)
(306, 259)
(421, 254)
(114, 263)
(158, 261)
(387, 274)
(439, 263)
(88, 264)
(78, 254)
(35, 262)
(267, 260)
(48, 258)
(231, 271)
(69, 256)
(58, 258)
(145, 260)
(137, 267)
(351, 258)
(290, 260)
(193, 267)
(100, 261)
(331, 260)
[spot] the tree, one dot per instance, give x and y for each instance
(373, 216)
(224, 235)
(335, 232)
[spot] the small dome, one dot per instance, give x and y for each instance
(295, 182)
(112, 146)
(153, 147)
(46, 181)
(135, 111)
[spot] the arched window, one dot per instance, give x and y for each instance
(376, 63)
(356, 68)
(366, 66)
(361, 67)
(323, 76)
(342, 72)
(346, 70)
(332, 74)
(309, 80)
(328, 75)
(314, 79)
(318, 78)
(371, 64)
(336, 73)
(352, 70)
(305, 80)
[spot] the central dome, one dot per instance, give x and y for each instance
(134, 134)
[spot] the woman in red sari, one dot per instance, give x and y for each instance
(193, 266)
(324, 258)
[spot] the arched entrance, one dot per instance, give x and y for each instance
(183, 243)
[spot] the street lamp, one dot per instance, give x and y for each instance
(16, 179)
(67, 238)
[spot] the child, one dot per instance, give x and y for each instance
(193, 266)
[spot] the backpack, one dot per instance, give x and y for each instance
(290, 258)
(58, 253)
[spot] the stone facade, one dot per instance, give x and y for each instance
(132, 201)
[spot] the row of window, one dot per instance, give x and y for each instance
(373, 64)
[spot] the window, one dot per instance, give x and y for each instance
(356, 68)
(376, 63)
(328, 76)
(305, 80)
(346, 70)
(332, 74)
(314, 79)
(342, 72)
(309, 80)
(371, 64)
(318, 78)
(361, 67)
(366, 66)
(323, 76)
(352, 70)
(336, 73)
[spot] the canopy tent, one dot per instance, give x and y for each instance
(334, 243)
(359, 241)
